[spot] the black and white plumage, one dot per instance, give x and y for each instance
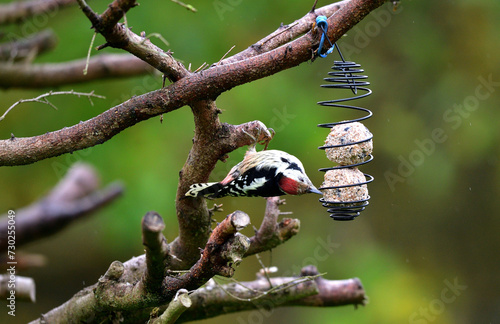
(265, 173)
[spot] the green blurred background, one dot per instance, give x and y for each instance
(426, 249)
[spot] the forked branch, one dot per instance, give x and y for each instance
(189, 89)
(117, 292)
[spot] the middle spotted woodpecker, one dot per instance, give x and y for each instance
(265, 173)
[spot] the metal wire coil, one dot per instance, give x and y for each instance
(346, 75)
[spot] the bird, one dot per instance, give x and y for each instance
(266, 173)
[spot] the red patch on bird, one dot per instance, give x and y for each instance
(289, 185)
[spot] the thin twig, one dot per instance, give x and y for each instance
(314, 6)
(125, 21)
(157, 35)
(264, 269)
(187, 6)
(271, 290)
(85, 70)
(290, 26)
(201, 67)
(224, 56)
(91, 15)
(43, 99)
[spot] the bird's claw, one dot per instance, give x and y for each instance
(269, 135)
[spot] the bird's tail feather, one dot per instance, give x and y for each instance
(204, 189)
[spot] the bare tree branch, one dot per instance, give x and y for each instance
(113, 14)
(211, 143)
(190, 89)
(175, 308)
(200, 162)
(285, 33)
(43, 99)
(242, 296)
(55, 74)
(19, 151)
(156, 248)
(119, 36)
(115, 293)
(122, 289)
(75, 196)
(28, 48)
(332, 292)
(214, 301)
(271, 233)
(18, 11)
(308, 289)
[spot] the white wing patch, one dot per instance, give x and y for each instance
(255, 184)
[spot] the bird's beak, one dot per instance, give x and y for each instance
(313, 189)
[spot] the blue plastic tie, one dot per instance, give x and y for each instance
(322, 22)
